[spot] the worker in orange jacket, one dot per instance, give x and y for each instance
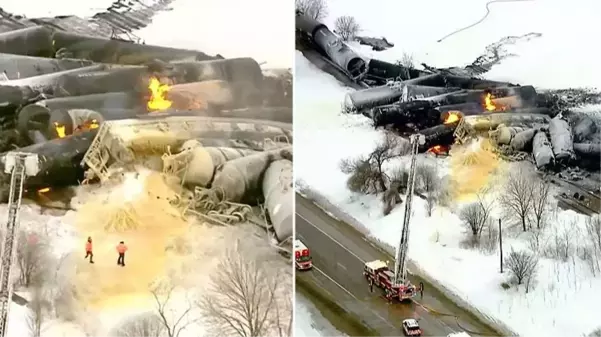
(89, 250)
(121, 249)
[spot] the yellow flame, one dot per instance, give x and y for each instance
(158, 99)
(60, 130)
(453, 116)
(44, 190)
(488, 102)
(93, 124)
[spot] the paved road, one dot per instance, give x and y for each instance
(339, 252)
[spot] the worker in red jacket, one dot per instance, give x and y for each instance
(89, 249)
(121, 249)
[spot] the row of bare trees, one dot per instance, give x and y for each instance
(242, 299)
(345, 26)
(525, 199)
(368, 174)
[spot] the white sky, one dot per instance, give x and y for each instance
(262, 29)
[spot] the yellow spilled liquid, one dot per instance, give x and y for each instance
(473, 166)
(138, 213)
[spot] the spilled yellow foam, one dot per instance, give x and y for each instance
(137, 212)
(472, 168)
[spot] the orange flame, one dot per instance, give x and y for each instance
(158, 95)
(90, 125)
(60, 130)
(437, 149)
(489, 104)
(452, 117)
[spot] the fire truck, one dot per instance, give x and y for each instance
(302, 256)
(395, 282)
(377, 273)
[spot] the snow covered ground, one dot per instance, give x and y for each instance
(562, 300)
(308, 322)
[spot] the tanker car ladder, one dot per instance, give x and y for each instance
(463, 132)
(111, 142)
(98, 155)
(19, 164)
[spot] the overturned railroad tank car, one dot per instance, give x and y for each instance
(562, 139)
(43, 41)
(136, 78)
(279, 197)
(337, 51)
(15, 67)
(542, 151)
(59, 163)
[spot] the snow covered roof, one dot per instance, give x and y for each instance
(411, 323)
(377, 264)
(298, 245)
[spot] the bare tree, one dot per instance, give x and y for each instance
(516, 198)
(490, 238)
(367, 172)
(174, 322)
(406, 61)
(561, 244)
(522, 265)
(398, 184)
(540, 201)
(593, 231)
(316, 9)
(427, 176)
(476, 215)
(35, 316)
(62, 290)
(281, 325)
(347, 27)
(148, 324)
(241, 297)
(32, 258)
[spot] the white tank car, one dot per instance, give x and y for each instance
(279, 197)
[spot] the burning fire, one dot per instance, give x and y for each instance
(491, 105)
(60, 130)
(158, 95)
(452, 117)
(89, 125)
(44, 190)
(437, 149)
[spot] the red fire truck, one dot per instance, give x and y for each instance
(302, 256)
(377, 273)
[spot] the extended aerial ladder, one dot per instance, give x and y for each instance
(19, 165)
(400, 269)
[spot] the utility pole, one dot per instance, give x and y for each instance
(501, 246)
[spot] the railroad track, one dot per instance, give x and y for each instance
(577, 198)
(119, 20)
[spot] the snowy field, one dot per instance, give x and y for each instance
(562, 300)
(308, 322)
(111, 295)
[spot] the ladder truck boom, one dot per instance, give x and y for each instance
(400, 269)
(19, 164)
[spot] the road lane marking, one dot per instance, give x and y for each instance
(336, 283)
(331, 238)
(351, 294)
(360, 259)
(341, 265)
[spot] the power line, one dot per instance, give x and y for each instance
(479, 21)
